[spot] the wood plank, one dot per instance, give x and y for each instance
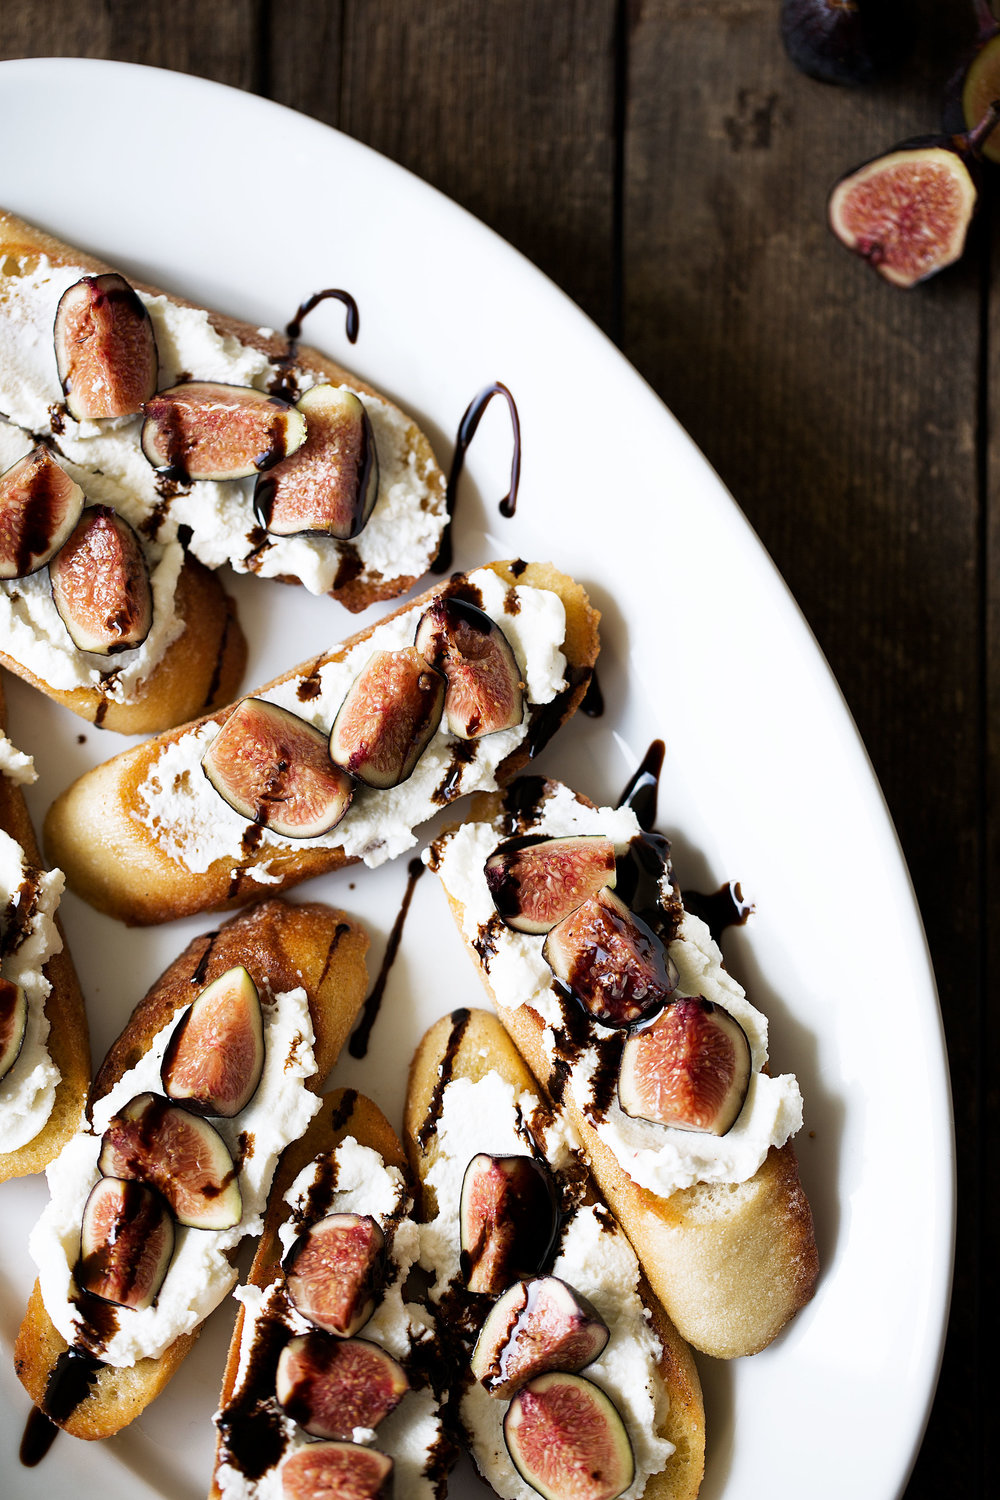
(842, 414)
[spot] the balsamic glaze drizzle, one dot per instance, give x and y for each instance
(358, 1045)
(471, 419)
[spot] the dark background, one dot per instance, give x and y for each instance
(663, 162)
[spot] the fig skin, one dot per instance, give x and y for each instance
(203, 429)
(534, 1327)
(100, 584)
(336, 1471)
(39, 507)
(981, 83)
(844, 41)
(126, 1241)
(690, 1068)
(535, 882)
(508, 1220)
(274, 768)
(485, 692)
(610, 961)
(215, 1056)
(13, 1023)
(388, 718)
(567, 1440)
(330, 485)
(105, 347)
(179, 1154)
(332, 1386)
(334, 1272)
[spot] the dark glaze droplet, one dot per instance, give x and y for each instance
(463, 753)
(349, 567)
(459, 1023)
(358, 1045)
(220, 656)
(522, 804)
(310, 686)
(251, 1429)
(259, 542)
(642, 790)
(101, 714)
(40, 1432)
(70, 1381)
(593, 699)
(466, 432)
(545, 718)
(726, 907)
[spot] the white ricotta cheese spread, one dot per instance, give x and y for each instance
(594, 1257)
(410, 1434)
(194, 826)
(15, 765)
(657, 1157)
(200, 1273)
(28, 1090)
(399, 541)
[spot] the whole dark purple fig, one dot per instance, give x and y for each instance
(979, 85)
(844, 41)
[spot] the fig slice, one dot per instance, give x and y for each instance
(215, 1055)
(334, 1272)
(336, 1471)
(274, 768)
(535, 882)
(179, 1154)
(13, 1023)
(508, 1219)
(333, 1386)
(100, 584)
(330, 485)
(485, 692)
(567, 1439)
(536, 1326)
(105, 348)
(39, 506)
(205, 430)
(689, 1068)
(126, 1241)
(607, 957)
(388, 718)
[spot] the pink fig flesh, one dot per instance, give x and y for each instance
(508, 1220)
(330, 485)
(388, 718)
(126, 1241)
(536, 1326)
(215, 1056)
(485, 692)
(334, 1271)
(536, 882)
(100, 584)
(567, 1439)
(39, 506)
(607, 957)
(689, 1068)
(274, 768)
(336, 1471)
(204, 430)
(13, 1023)
(179, 1154)
(105, 348)
(332, 1386)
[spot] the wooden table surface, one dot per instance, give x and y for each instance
(663, 162)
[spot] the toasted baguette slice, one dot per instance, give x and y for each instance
(364, 570)
(283, 948)
(247, 1405)
(68, 1044)
(146, 837)
(731, 1262)
(472, 1047)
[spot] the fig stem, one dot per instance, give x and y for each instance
(986, 21)
(977, 137)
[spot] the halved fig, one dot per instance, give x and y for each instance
(39, 506)
(331, 1386)
(388, 718)
(508, 1220)
(536, 1326)
(275, 769)
(215, 1056)
(567, 1439)
(105, 348)
(535, 882)
(331, 484)
(182, 1156)
(334, 1272)
(611, 961)
(485, 691)
(689, 1068)
(126, 1241)
(100, 584)
(13, 1021)
(336, 1471)
(204, 430)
